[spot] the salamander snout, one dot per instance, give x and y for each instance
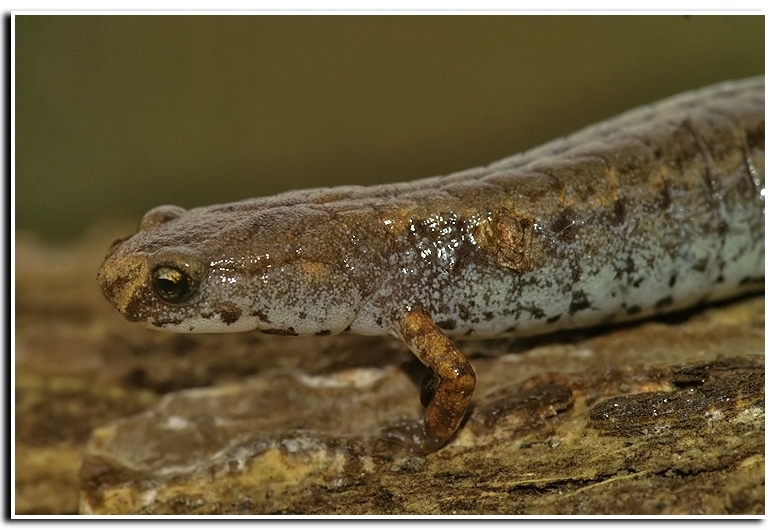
(119, 277)
(142, 285)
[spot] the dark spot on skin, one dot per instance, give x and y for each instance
(229, 317)
(619, 211)
(658, 153)
(576, 272)
(288, 331)
(666, 198)
(720, 279)
(553, 320)
(323, 333)
(579, 301)
(664, 302)
(487, 315)
(463, 312)
(262, 316)
(633, 310)
(638, 282)
(448, 324)
(564, 225)
(701, 265)
(723, 228)
(628, 268)
(630, 265)
(510, 329)
(536, 312)
(229, 313)
(302, 315)
(672, 280)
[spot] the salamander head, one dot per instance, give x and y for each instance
(210, 270)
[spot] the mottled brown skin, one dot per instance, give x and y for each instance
(654, 211)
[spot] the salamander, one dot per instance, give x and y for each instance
(656, 210)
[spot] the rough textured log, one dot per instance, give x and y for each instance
(660, 417)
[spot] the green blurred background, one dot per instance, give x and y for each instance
(118, 114)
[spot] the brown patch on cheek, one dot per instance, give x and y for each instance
(510, 240)
(112, 288)
(128, 294)
(137, 306)
(122, 280)
(136, 301)
(119, 279)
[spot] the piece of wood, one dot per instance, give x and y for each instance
(656, 418)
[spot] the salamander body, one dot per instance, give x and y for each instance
(653, 211)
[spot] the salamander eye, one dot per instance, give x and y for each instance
(176, 273)
(173, 284)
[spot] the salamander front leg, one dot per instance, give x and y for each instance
(446, 392)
